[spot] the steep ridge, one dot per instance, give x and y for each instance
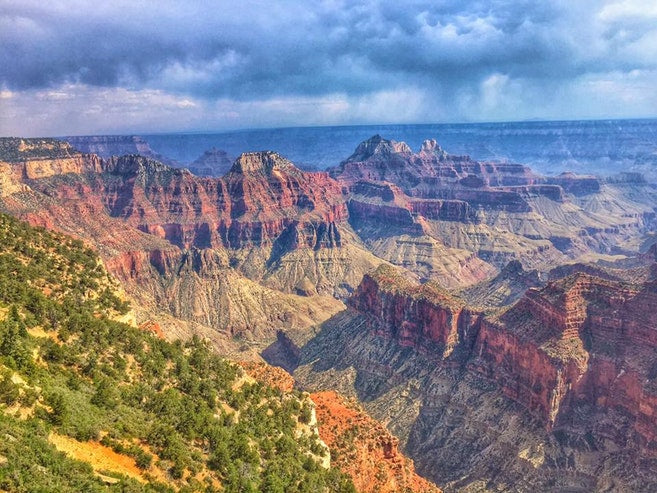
(555, 392)
(361, 447)
(364, 449)
(276, 224)
(261, 199)
(424, 317)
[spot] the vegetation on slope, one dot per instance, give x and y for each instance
(183, 418)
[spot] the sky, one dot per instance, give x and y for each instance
(80, 67)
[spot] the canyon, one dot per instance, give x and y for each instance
(496, 320)
(557, 390)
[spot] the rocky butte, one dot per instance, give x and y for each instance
(457, 220)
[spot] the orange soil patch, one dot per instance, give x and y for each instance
(151, 326)
(364, 448)
(269, 375)
(19, 412)
(100, 458)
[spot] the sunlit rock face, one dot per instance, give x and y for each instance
(543, 394)
(499, 212)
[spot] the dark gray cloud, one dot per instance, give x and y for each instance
(454, 53)
(247, 49)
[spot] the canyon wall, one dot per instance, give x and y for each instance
(424, 317)
(443, 217)
(558, 391)
(554, 348)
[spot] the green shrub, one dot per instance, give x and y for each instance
(59, 409)
(9, 392)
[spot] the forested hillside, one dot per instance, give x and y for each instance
(145, 414)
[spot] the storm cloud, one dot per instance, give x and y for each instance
(201, 65)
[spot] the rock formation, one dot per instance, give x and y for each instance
(364, 449)
(427, 173)
(572, 363)
(441, 217)
(214, 252)
(263, 201)
(498, 212)
(424, 317)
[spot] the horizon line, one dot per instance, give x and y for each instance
(357, 125)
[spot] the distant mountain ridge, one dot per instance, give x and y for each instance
(602, 147)
(107, 146)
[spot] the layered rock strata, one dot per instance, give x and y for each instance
(569, 369)
(498, 211)
(183, 244)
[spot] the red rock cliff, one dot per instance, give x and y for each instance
(581, 344)
(264, 200)
(422, 316)
(364, 449)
